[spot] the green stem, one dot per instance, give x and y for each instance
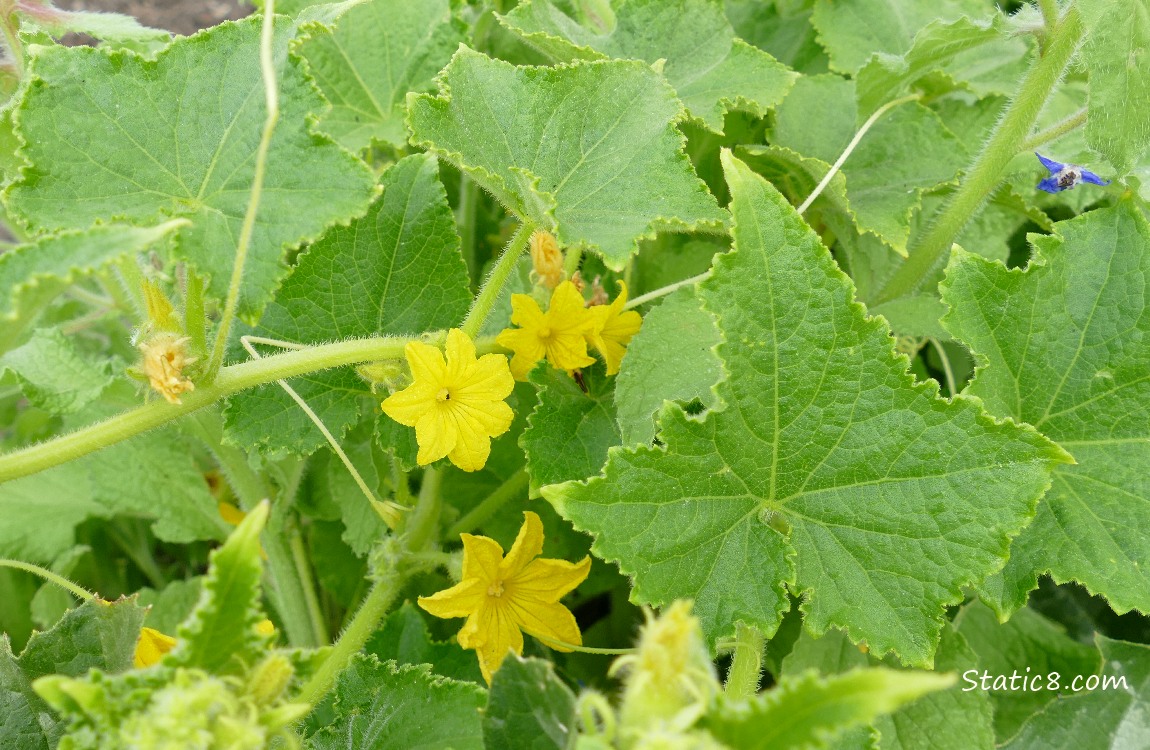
(643, 299)
(509, 490)
(290, 594)
(747, 664)
(139, 554)
(465, 218)
(195, 321)
(1055, 131)
(1049, 9)
(249, 486)
(304, 575)
(571, 261)
(48, 575)
(424, 520)
(489, 292)
(1006, 141)
(271, 103)
(230, 380)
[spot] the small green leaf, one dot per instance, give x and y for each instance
(386, 705)
(98, 150)
(807, 711)
(1117, 55)
(852, 30)
(53, 374)
(587, 150)
(672, 358)
(378, 52)
(1110, 718)
(397, 270)
(1073, 363)
(220, 636)
(828, 471)
(404, 638)
(569, 431)
(528, 708)
(711, 69)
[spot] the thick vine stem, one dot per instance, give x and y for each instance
(496, 280)
(231, 380)
(1008, 136)
(747, 664)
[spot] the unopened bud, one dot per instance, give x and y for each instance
(546, 259)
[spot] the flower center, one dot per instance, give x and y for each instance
(544, 332)
(495, 589)
(443, 396)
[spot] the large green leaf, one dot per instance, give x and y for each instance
(99, 149)
(808, 710)
(1112, 716)
(385, 705)
(96, 635)
(829, 471)
(379, 51)
(54, 374)
(587, 150)
(1117, 56)
(396, 270)
(905, 153)
(711, 69)
(404, 638)
(853, 30)
(678, 331)
(1063, 347)
(528, 708)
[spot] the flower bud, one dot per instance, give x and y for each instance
(165, 357)
(546, 259)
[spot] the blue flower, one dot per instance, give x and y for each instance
(1065, 176)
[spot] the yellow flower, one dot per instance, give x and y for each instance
(501, 596)
(165, 357)
(151, 647)
(559, 334)
(456, 406)
(546, 259)
(614, 328)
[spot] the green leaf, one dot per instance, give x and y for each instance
(33, 274)
(404, 638)
(386, 705)
(905, 153)
(586, 150)
(1073, 363)
(528, 708)
(363, 526)
(171, 605)
(808, 710)
(1029, 645)
(569, 431)
(852, 30)
(828, 471)
(397, 270)
(108, 26)
(1112, 718)
(53, 374)
(783, 29)
(98, 150)
(378, 52)
(220, 635)
(672, 358)
(1116, 52)
(940, 46)
(95, 635)
(711, 69)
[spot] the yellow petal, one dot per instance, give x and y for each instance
(546, 580)
(472, 447)
(569, 352)
(230, 513)
(567, 308)
(500, 635)
(612, 354)
(525, 311)
(460, 355)
(481, 558)
(527, 347)
(489, 378)
(408, 405)
(491, 418)
(151, 647)
(528, 545)
(460, 600)
(426, 362)
(436, 435)
(552, 621)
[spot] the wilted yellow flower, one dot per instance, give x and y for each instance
(614, 329)
(456, 406)
(502, 596)
(559, 334)
(546, 259)
(165, 357)
(151, 647)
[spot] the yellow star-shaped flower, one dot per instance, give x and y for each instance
(456, 406)
(502, 596)
(613, 330)
(558, 334)
(151, 647)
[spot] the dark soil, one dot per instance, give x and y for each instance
(180, 16)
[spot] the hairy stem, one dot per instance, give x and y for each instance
(195, 321)
(509, 490)
(1056, 131)
(643, 299)
(271, 103)
(305, 577)
(493, 285)
(48, 575)
(747, 664)
(984, 176)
